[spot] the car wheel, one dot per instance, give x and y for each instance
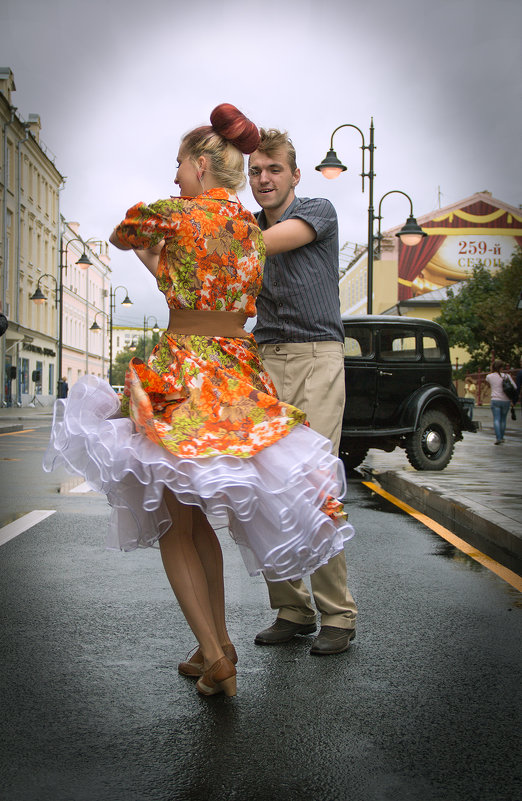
(431, 446)
(351, 456)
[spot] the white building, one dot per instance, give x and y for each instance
(38, 255)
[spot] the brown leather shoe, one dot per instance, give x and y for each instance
(332, 640)
(283, 631)
(219, 678)
(194, 666)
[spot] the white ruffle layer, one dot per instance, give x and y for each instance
(271, 501)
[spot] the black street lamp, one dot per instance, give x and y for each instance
(40, 298)
(331, 167)
(410, 234)
(155, 330)
(112, 307)
(95, 327)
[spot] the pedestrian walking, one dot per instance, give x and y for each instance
(500, 402)
(301, 341)
(207, 434)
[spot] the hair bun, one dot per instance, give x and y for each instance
(232, 125)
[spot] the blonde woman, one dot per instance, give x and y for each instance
(207, 434)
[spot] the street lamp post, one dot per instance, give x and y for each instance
(331, 167)
(411, 233)
(112, 307)
(155, 330)
(95, 327)
(40, 298)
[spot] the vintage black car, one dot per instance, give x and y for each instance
(400, 392)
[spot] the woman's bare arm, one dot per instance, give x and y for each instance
(150, 256)
(287, 235)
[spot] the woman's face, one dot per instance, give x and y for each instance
(187, 176)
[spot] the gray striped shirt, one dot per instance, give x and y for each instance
(299, 300)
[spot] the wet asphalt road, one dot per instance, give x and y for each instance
(424, 706)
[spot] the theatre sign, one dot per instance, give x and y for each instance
(477, 230)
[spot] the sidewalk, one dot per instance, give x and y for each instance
(478, 496)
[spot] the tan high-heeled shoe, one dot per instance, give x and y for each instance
(194, 666)
(219, 678)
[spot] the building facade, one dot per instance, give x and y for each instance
(48, 337)
(85, 301)
(479, 228)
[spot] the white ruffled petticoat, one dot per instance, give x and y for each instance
(271, 501)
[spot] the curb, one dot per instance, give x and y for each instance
(494, 534)
(6, 429)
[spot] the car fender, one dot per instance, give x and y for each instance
(430, 397)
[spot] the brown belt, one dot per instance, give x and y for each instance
(208, 323)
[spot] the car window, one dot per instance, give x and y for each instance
(431, 348)
(398, 345)
(358, 343)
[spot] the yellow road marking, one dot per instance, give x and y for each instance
(507, 575)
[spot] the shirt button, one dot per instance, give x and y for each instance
(277, 348)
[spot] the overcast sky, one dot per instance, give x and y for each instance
(118, 82)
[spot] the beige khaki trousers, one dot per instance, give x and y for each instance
(310, 376)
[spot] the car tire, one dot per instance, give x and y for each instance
(430, 446)
(351, 456)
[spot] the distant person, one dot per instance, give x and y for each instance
(63, 388)
(207, 435)
(500, 403)
(301, 341)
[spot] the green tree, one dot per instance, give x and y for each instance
(122, 359)
(483, 317)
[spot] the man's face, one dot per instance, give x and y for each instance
(271, 179)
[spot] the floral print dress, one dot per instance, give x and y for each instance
(202, 418)
(198, 395)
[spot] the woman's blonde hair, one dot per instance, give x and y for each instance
(224, 142)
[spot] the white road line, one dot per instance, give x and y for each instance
(85, 487)
(23, 523)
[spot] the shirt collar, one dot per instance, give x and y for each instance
(261, 217)
(220, 193)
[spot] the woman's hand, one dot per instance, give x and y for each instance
(150, 256)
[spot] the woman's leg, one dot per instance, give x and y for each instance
(495, 410)
(503, 418)
(211, 557)
(186, 573)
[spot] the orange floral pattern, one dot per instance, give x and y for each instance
(204, 396)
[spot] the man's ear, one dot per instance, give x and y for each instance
(296, 177)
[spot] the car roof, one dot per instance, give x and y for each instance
(390, 319)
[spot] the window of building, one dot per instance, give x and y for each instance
(24, 375)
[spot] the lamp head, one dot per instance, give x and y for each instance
(411, 233)
(330, 166)
(127, 301)
(38, 296)
(84, 261)
(95, 327)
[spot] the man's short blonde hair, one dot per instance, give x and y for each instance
(272, 140)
